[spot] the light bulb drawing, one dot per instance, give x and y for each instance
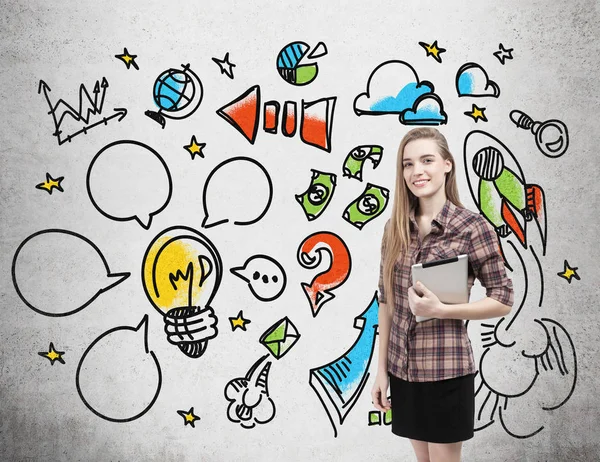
(551, 136)
(181, 273)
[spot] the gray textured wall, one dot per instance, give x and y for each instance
(538, 386)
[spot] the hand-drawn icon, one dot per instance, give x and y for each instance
(539, 357)
(265, 276)
(114, 380)
(87, 108)
(181, 273)
(52, 355)
(569, 273)
(553, 129)
(280, 337)
(51, 184)
(128, 180)
(340, 383)
(249, 401)
(368, 206)
(189, 418)
(394, 88)
(503, 54)
(292, 65)
(239, 189)
(311, 254)
(433, 50)
(316, 119)
(375, 417)
(239, 321)
(355, 160)
(177, 93)
(128, 59)
(472, 80)
(316, 198)
(225, 66)
(194, 148)
(477, 113)
(73, 270)
(499, 189)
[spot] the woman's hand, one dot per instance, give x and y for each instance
(379, 392)
(427, 304)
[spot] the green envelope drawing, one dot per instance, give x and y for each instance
(280, 337)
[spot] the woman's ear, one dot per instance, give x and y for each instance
(448, 166)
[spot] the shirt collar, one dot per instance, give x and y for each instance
(442, 218)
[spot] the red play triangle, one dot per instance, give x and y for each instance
(243, 113)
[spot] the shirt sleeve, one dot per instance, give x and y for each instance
(381, 296)
(488, 264)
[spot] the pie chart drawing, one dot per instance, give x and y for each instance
(290, 65)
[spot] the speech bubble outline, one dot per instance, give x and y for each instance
(205, 221)
(121, 276)
(143, 323)
(146, 222)
(241, 272)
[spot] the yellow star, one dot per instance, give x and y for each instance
(240, 322)
(188, 417)
(53, 355)
(433, 50)
(128, 59)
(477, 113)
(195, 148)
(50, 184)
(569, 273)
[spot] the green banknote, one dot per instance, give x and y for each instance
(318, 195)
(353, 164)
(369, 205)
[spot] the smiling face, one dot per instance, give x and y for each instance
(424, 169)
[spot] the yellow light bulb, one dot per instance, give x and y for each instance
(181, 273)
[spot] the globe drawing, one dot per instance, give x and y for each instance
(177, 93)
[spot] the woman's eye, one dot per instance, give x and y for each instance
(407, 165)
(428, 161)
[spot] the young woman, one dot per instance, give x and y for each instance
(429, 366)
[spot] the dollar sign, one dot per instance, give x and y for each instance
(317, 194)
(368, 205)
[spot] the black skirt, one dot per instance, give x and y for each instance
(436, 412)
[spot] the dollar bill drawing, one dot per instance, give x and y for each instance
(318, 195)
(355, 160)
(369, 205)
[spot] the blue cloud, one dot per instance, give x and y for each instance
(405, 99)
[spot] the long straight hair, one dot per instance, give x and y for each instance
(396, 238)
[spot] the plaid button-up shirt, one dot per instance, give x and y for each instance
(440, 349)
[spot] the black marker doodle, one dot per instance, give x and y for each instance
(50, 184)
(52, 355)
(194, 148)
(181, 273)
(225, 66)
(316, 119)
(503, 54)
(177, 93)
(239, 189)
(339, 384)
(413, 100)
(248, 397)
(116, 381)
(265, 276)
(72, 269)
(472, 80)
(292, 62)
(551, 136)
(433, 50)
(128, 180)
(128, 59)
(88, 107)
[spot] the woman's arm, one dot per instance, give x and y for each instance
(481, 309)
(385, 324)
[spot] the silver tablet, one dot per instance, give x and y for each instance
(447, 279)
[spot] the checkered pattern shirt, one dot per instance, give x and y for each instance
(440, 349)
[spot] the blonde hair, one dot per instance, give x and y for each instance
(396, 238)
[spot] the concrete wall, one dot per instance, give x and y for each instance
(121, 184)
